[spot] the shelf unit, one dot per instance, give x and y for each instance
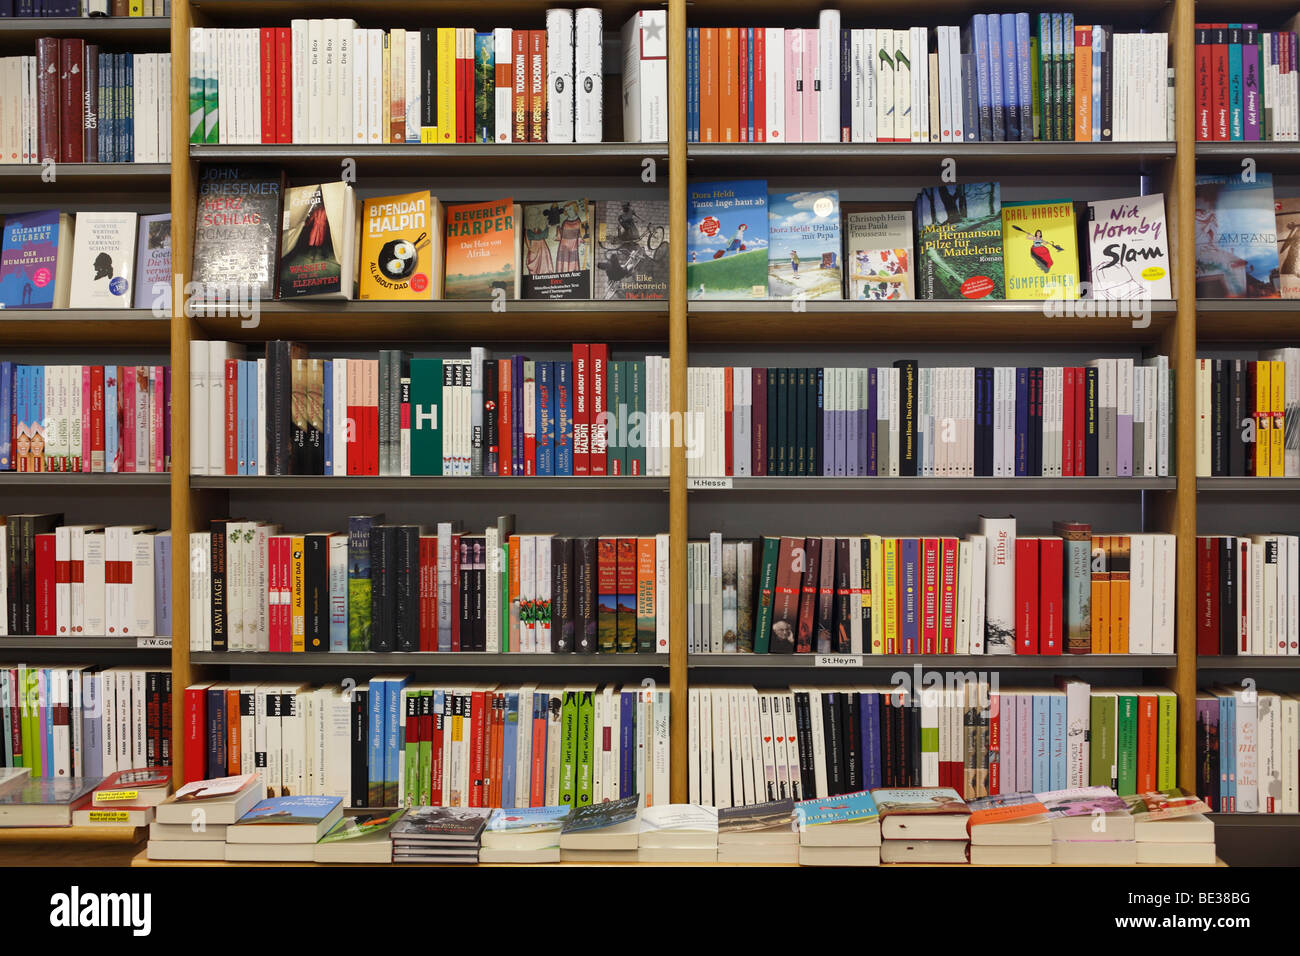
(881, 662)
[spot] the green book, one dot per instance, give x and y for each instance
(197, 93)
(506, 634)
(411, 749)
(31, 721)
(569, 748)
(586, 748)
(426, 416)
(1101, 739)
(424, 760)
(636, 405)
(1167, 762)
(359, 588)
(766, 588)
(1126, 744)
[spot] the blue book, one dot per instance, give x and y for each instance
(564, 419)
(692, 74)
(1010, 76)
(328, 423)
(870, 718)
(545, 418)
(1024, 93)
(217, 732)
(111, 435)
(6, 415)
(243, 432)
(1042, 764)
(844, 808)
(304, 812)
(979, 45)
(997, 95)
(1057, 717)
(909, 611)
(517, 421)
(529, 820)
(162, 585)
(627, 743)
(1236, 85)
(378, 700)
(92, 725)
(509, 748)
(394, 737)
(872, 412)
(1098, 47)
(1228, 749)
(727, 244)
(127, 145)
(1022, 422)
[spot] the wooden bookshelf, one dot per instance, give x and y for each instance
(34, 327)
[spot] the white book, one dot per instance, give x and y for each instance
(376, 105)
(857, 87)
(359, 71)
(103, 260)
(414, 93)
(1293, 593)
(661, 593)
(315, 80)
(693, 775)
(828, 59)
(715, 592)
(818, 741)
(559, 75)
(62, 589)
(502, 50)
(919, 56)
(338, 594)
(904, 118)
(588, 75)
(1000, 584)
(199, 418)
(344, 88)
(960, 121)
(645, 77)
(1165, 607)
(705, 723)
(659, 772)
(218, 354)
(721, 747)
(736, 746)
(527, 590)
(1246, 730)
(774, 79)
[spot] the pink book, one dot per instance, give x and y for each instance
(85, 418)
(126, 391)
(156, 408)
(793, 86)
(143, 455)
(1024, 755)
(811, 83)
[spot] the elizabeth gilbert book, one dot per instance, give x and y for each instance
(803, 253)
(557, 250)
(878, 254)
(1128, 248)
(237, 230)
(1236, 238)
(959, 242)
(726, 240)
(631, 249)
(36, 260)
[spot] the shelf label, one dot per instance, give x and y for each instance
(837, 660)
(117, 796)
(707, 484)
(109, 816)
(143, 643)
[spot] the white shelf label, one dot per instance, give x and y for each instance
(157, 642)
(693, 484)
(837, 660)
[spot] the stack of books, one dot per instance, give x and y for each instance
(1010, 830)
(839, 831)
(523, 835)
(678, 833)
(762, 833)
(192, 823)
(126, 798)
(922, 825)
(283, 829)
(366, 838)
(27, 801)
(1172, 829)
(439, 835)
(607, 832)
(1090, 825)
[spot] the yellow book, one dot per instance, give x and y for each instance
(1277, 428)
(1040, 254)
(1167, 720)
(1120, 592)
(1263, 420)
(401, 247)
(447, 84)
(396, 132)
(136, 8)
(890, 548)
(1100, 599)
(297, 595)
(877, 585)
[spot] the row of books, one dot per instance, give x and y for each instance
(326, 81)
(396, 587)
(1002, 77)
(86, 260)
(1110, 418)
(73, 102)
(1248, 416)
(66, 580)
(1246, 83)
(1248, 750)
(392, 742)
(1248, 594)
(1247, 239)
(76, 720)
(748, 243)
(991, 593)
(750, 746)
(85, 8)
(287, 414)
(85, 418)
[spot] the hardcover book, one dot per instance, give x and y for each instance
(1128, 248)
(400, 254)
(483, 250)
(959, 242)
(1287, 214)
(878, 254)
(557, 250)
(1236, 238)
(804, 245)
(237, 232)
(103, 260)
(1040, 255)
(726, 240)
(631, 249)
(153, 263)
(36, 260)
(317, 244)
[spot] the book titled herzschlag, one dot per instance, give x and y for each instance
(237, 231)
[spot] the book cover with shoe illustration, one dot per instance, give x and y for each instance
(726, 244)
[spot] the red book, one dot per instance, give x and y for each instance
(1243, 599)
(1204, 84)
(195, 753)
(728, 412)
(372, 427)
(581, 410)
(530, 437)
(455, 592)
(459, 88)
(97, 418)
(126, 398)
(1026, 595)
(742, 84)
(424, 714)
(536, 86)
(760, 85)
(948, 553)
(47, 100)
(283, 85)
(1219, 101)
(1067, 422)
(62, 575)
(537, 796)
(1148, 742)
(758, 428)
(72, 103)
(519, 101)
(808, 595)
(1207, 596)
(598, 379)
(929, 595)
(46, 578)
(1051, 591)
(428, 592)
(268, 83)
(995, 744)
(1080, 420)
(272, 594)
(232, 416)
(467, 97)
(504, 412)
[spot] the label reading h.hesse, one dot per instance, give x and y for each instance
(837, 660)
(693, 484)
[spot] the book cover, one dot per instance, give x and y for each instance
(858, 807)
(804, 245)
(1287, 214)
(557, 250)
(1040, 255)
(293, 809)
(959, 242)
(919, 800)
(482, 250)
(316, 241)
(727, 239)
(1236, 238)
(528, 820)
(878, 254)
(400, 247)
(364, 825)
(35, 263)
(598, 816)
(1128, 248)
(153, 262)
(631, 249)
(237, 232)
(103, 260)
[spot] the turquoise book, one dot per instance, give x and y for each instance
(857, 807)
(527, 820)
(1236, 238)
(426, 416)
(726, 240)
(804, 245)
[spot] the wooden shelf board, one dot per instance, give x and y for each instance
(10, 836)
(426, 483)
(133, 178)
(1246, 662)
(76, 328)
(139, 32)
(1270, 321)
(1268, 485)
(476, 660)
(43, 480)
(884, 486)
(877, 662)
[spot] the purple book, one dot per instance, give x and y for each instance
(162, 585)
(1250, 79)
(1124, 420)
(832, 430)
(29, 260)
(869, 423)
(852, 415)
(863, 424)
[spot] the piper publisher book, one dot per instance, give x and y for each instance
(1128, 248)
(631, 249)
(557, 250)
(804, 243)
(726, 244)
(878, 255)
(1236, 238)
(959, 242)
(1040, 254)
(482, 250)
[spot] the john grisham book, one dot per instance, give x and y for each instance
(726, 241)
(237, 230)
(959, 242)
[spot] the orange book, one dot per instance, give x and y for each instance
(514, 593)
(1263, 419)
(519, 104)
(1120, 573)
(1148, 743)
(1083, 84)
(728, 89)
(233, 736)
(536, 86)
(708, 84)
(1100, 597)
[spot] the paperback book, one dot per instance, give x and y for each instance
(804, 245)
(103, 260)
(318, 241)
(153, 263)
(36, 260)
(1128, 248)
(483, 250)
(959, 242)
(1040, 250)
(878, 255)
(557, 250)
(631, 249)
(237, 232)
(400, 246)
(1236, 238)
(1287, 213)
(727, 240)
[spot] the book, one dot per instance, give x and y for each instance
(631, 249)
(1128, 248)
(523, 829)
(317, 244)
(36, 260)
(804, 245)
(1236, 238)
(44, 802)
(366, 838)
(727, 240)
(611, 825)
(1039, 250)
(103, 260)
(1287, 214)
(678, 826)
(931, 813)
(153, 262)
(558, 250)
(878, 255)
(134, 788)
(441, 826)
(959, 242)
(483, 250)
(283, 820)
(237, 229)
(222, 800)
(401, 243)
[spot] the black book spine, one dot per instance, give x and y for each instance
(799, 427)
(907, 421)
(165, 750)
(887, 740)
(853, 742)
(584, 594)
(1090, 420)
(1236, 419)
(843, 599)
(1036, 422)
(479, 550)
(27, 574)
(789, 412)
(218, 566)
(1218, 424)
(383, 597)
(819, 422)
(491, 422)
(464, 596)
(387, 385)
(13, 575)
(773, 421)
(913, 715)
(1227, 595)
(316, 592)
(407, 575)
(803, 729)
(561, 595)
(429, 77)
(831, 733)
(1107, 85)
(360, 741)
